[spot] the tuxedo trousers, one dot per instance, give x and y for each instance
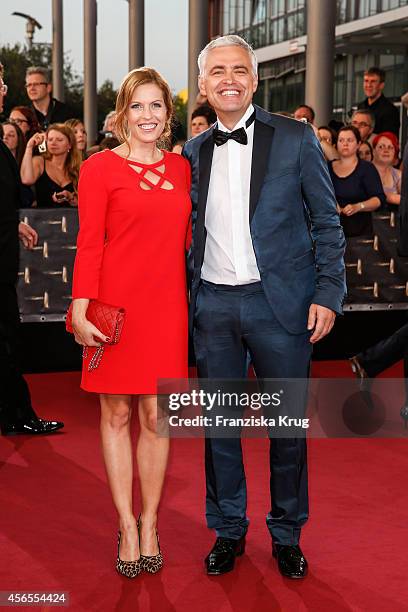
(15, 400)
(230, 323)
(386, 353)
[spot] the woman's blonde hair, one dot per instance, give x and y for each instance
(73, 159)
(73, 123)
(136, 77)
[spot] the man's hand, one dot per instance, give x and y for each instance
(321, 319)
(27, 235)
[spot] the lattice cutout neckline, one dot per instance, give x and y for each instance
(148, 172)
(142, 165)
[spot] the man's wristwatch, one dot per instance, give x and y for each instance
(362, 205)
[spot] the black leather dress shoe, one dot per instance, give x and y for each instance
(33, 426)
(404, 415)
(222, 555)
(291, 561)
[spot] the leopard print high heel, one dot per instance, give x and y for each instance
(130, 569)
(151, 563)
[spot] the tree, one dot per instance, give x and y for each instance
(15, 63)
(16, 59)
(106, 100)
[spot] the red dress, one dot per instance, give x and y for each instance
(131, 254)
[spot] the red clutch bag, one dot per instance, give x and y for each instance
(108, 319)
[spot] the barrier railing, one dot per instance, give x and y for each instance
(377, 278)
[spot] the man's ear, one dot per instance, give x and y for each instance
(382, 85)
(255, 84)
(201, 86)
(49, 88)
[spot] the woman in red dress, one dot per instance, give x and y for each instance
(134, 211)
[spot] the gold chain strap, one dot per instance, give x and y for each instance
(97, 356)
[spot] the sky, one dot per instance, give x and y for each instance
(166, 35)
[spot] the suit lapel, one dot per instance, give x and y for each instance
(10, 160)
(205, 161)
(263, 134)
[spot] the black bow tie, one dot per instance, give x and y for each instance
(221, 137)
(239, 135)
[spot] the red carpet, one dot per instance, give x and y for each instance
(58, 527)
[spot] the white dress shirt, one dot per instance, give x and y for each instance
(229, 257)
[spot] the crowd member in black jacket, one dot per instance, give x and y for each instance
(47, 109)
(385, 113)
(16, 412)
(403, 227)
(385, 353)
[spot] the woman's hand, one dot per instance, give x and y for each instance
(351, 209)
(63, 196)
(74, 199)
(35, 140)
(85, 332)
(394, 198)
(32, 166)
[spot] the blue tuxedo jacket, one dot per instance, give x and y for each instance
(295, 228)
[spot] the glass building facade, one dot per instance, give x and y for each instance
(267, 23)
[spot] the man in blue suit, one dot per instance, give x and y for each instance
(267, 280)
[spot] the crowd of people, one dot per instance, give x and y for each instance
(363, 154)
(48, 145)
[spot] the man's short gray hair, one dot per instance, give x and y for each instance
(38, 70)
(230, 40)
(365, 111)
(109, 116)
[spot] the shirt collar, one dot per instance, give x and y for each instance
(241, 122)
